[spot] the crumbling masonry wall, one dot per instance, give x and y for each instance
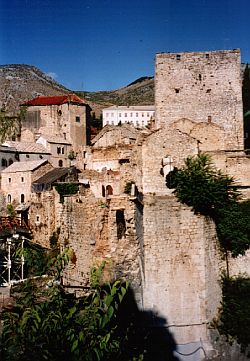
(103, 230)
(203, 88)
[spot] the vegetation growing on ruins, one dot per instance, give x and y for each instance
(211, 193)
(235, 311)
(47, 324)
(66, 189)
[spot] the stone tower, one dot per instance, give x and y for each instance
(193, 90)
(65, 115)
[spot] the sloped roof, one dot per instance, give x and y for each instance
(27, 147)
(54, 139)
(126, 130)
(54, 175)
(7, 149)
(24, 166)
(55, 100)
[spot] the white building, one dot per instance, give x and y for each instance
(138, 115)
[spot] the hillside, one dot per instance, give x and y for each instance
(19, 83)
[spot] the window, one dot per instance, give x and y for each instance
(207, 56)
(10, 161)
(131, 114)
(199, 77)
(9, 198)
(78, 119)
(9, 180)
(27, 155)
(125, 115)
(142, 114)
(148, 115)
(4, 162)
(178, 57)
(22, 179)
(109, 190)
(209, 118)
(107, 114)
(60, 163)
(136, 114)
(120, 114)
(177, 91)
(120, 224)
(58, 150)
(112, 114)
(22, 198)
(62, 150)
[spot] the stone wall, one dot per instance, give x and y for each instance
(57, 120)
(98, 230)
(164, 146)
(181, 268)
(204, 88)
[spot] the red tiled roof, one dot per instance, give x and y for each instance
(55, 100)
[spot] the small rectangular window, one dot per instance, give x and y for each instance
(120, 114)
(178, 57)
(78, 119)
(136, 114)
(9, 180)
(125, 115)
(22, 179)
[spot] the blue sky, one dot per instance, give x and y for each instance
(106, 44)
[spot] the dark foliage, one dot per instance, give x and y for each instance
(235, 311)
(211, 193)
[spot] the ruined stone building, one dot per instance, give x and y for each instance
(124, 213)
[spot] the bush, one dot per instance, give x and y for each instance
(235, 310)
(211, 193)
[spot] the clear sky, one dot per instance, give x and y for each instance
(106, 44)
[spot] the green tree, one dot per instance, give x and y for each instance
(211, 193)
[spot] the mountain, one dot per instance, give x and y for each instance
(19, 83)
(139, 92)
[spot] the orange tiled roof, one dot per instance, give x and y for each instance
(55, 100)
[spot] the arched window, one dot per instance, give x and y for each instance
(103, 191)
(22, 198)
(9, 198)
(60, 163)
(109, 190)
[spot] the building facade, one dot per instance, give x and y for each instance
(66, 116)
(138, 115)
